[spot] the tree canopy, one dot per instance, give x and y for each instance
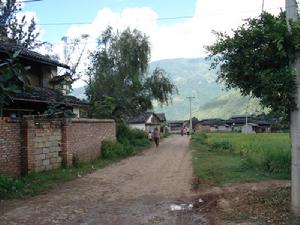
(119, 84)
(256, 59)
(14, 30)
(12, 79)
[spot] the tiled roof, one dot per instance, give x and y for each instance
(161, 116)
(46, 94)
(212, 122)
(30, 55)
(141, 118)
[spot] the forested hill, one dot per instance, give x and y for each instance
(194, 78)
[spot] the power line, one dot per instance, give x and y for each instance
(27, 1)
(157, 19)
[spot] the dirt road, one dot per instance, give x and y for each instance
(138, 190)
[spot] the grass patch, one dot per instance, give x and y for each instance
(130, 141)
(229, 158)
(37, 182)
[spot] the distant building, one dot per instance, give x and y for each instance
(175, 125)
(212, 125)
(145, 121)
(248, 124)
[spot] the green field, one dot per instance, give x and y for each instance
(233, 157)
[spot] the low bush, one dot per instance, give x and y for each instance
(112, 149)
(10, 185)
(274, 162)
(221, 145)
(128, 142)
(199, 138)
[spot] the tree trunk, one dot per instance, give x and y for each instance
(295, 141)
(292, 14)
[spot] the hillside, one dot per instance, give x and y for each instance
(229, 104)
(193, 78)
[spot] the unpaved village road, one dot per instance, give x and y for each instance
(136, 191)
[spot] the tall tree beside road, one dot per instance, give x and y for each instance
(261, 59)
(14, 30)
(256, 59)
(119, 84)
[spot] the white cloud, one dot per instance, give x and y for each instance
(185, 38)
(29, 15)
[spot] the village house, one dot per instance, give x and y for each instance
(45, 84)
(30, 142)
(175, 125)
(248, 124)
(212, 125)
(164, 126)
(145, 121)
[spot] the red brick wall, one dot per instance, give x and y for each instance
(86, 135)
(42, 144)
(10, 147)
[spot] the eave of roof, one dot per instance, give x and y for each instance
(30, 55)
(38, 94)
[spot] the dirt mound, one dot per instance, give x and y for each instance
(266, 202)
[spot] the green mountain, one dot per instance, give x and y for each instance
(194, 78)
(229, 104)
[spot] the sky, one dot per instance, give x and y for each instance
(176, 28)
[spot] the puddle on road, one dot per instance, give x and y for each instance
(174, 207)
(184, 206)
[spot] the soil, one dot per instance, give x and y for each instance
(153, 187)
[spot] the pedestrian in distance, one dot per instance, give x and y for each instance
(181, 131)
(156, 136)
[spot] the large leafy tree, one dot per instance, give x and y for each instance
(12, 79)
(12, 30)
(257, 58)
(119, 84)
(18, 31)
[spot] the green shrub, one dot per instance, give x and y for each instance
(199, 138)
(271, 161)
(134, 137)
(112, 149)
(221, 145)
(10, 185)
(128, 141)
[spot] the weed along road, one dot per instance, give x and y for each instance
(145, 189)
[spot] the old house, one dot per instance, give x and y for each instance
(164, 126)
(44, 84)
(175, 125)
(248, 124)
(212, 125)
(146, 121)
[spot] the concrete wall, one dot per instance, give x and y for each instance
(47, 141)
(38, 144)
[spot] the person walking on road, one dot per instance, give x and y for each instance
(156, 136)
(181, 131)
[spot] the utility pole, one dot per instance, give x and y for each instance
(292, 14)
(191, 123)
(263, 6)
